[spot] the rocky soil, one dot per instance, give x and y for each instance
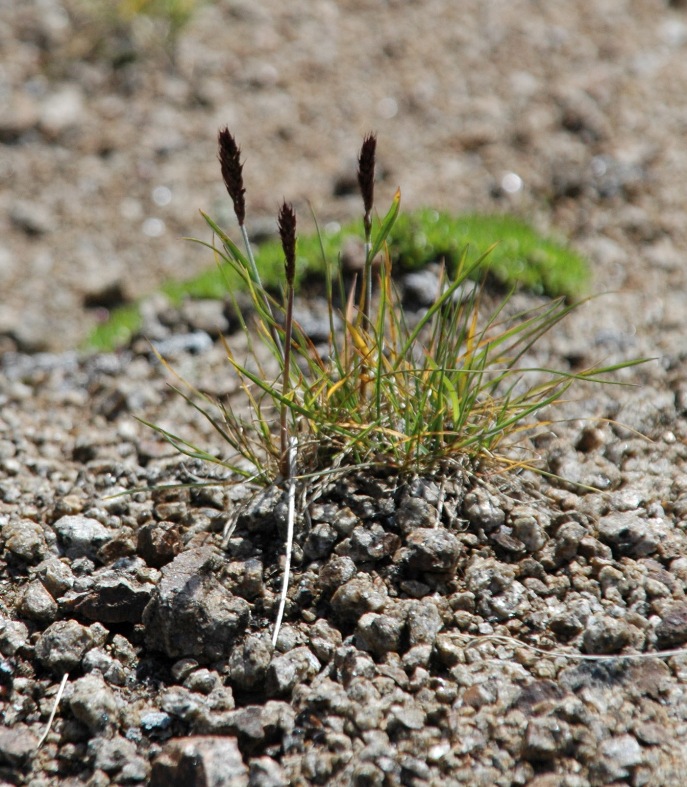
(470, 629)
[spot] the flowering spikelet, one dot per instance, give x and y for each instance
(287, 233)
(232, 172)
(366, 176)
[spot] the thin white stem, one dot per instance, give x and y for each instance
(291, 518)
(58, 697)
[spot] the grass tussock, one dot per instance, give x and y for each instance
(384, 391)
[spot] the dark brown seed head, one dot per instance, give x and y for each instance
(232, 172)
(366, 171)
(287, 232)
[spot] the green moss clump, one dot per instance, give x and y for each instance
(520, 258)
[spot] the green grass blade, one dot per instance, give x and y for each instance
(387, 224)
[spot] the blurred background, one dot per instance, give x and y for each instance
(572, 115)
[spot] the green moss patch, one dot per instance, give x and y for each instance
(520, 257)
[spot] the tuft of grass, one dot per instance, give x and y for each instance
(450, 388)
(385, 392)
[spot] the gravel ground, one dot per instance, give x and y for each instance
(478, 629)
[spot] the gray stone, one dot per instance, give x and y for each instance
(344, 521)
(367, 711)
(194, 342)
(408, 716)
(336, 572)
(266, 772)
(97, 659)
(37, 604)
(191, 613)
(17, 744)
(352, 663)
(650, 409)
(201, 761)
(483, 509)
(289, 638)
(81, 536)
(424, 622)
(324, 639)
(616, 757)
(285, 672)
(203, 681)
(206, 315)
(379, 634)
(629, 534)
(314, 318)
(417, 656)
(568, 537)
(487, 576)
(371, 542)
(123, 650)
(415, 512)
(508, 604)
(320, 541)
(358, 596)
(110, 755)
(116, 596)
(156, 722)
(62, 109)
(580, 471)
(369, 774)
(421, 288)
(248, 663)
(672, 630)
(432, 550)
(62, 645)
(546, 738)
(340, 517)
(529, 527)
(158, 543)
(318, 767)
(25, 540)
(56, 576)
(252, 724)
(94, 704)
(606, 635)
(14, 635)
(249, 582)
(110, 668)
(258, 514)
(137, 770)
(652, 733)
(494, 587)
(182, 703)
(34, 218)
